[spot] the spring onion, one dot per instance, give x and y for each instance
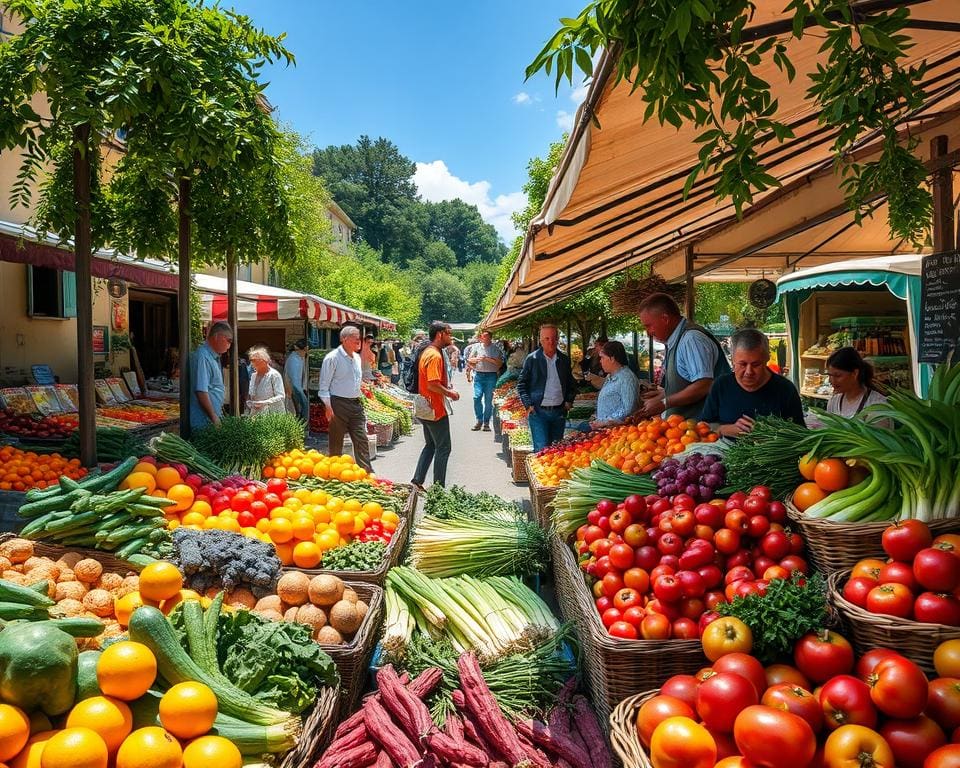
(588, 485)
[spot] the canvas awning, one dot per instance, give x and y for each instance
(617, 198)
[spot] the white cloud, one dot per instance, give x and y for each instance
(577, 95)
(435, 183)
(522, 98)
(565, 120)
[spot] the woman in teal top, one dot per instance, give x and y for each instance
(620, 392)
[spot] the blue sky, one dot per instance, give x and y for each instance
(442, 79)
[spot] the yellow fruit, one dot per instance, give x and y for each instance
(303, 494)
(306, 554)
(150, 747)
(166, 478)
(29, 756)
(373, 509)
(293, 473)
(160, 581)
(188, 710)
(303, 528)
(328, 540)
(230, 524)
(284, 552)
(173, 602)
(140, 480)
(14, 730)
(126, 670)
(145, 466)
(202, 507)
(126, 605)
(183, 495)
(74, 748)
(194, 517)
(281, 530)
(110, 718)
(211, 752)
(352, 505)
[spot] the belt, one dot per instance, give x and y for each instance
(348, 399)
(550, 407)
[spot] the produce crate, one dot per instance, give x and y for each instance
(518, 457)
(384, 433)
(56, 551)
(10, 503)
(353, 658)
(614, 668)
(835, 546)
(541, 495)
(916, 640)
(318, 727)
(623, 731)
(377, 576)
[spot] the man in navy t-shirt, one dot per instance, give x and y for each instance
(752, 390)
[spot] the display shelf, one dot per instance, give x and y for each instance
(808, 393)
(815, 357)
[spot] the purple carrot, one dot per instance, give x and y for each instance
(451, 751)
(590, 731)
(355, 757)
(420, 686)
(407, 709)
(390, 738)
(559, 744)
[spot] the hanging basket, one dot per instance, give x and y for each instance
(627, 298)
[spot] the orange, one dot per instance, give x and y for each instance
(373, 509)
(230, 524)
(183, 495)
(188, 710)
(150, 747)
(306, 554)
(201, 507)
(344, 522)
(29, 756)
(352, 505)
(183, 594)
(111, 718)
(328, 540)
(145, 466)
(75, 748)
(14, 730)
(303, 528)
(160, 581)
(281, 530)
(211, 752)
(139, 480)
(285, 553)
(126, 605)
(126, 670)
(167, 478)
(293, 473)
(807, 465)
(194, 517)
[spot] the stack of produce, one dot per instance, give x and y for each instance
(213, 560)
(113, 444)
(318, 418)
(401, 408)
(699, 475)
(387, 494)
(520, 437)
(57, 426)
(303, 464)
(581, 412)
(26, 470)
(139, 414)
(636, 448)
(587, 487)
(244, 445)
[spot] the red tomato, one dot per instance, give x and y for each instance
(602, 603)
(634, 615)
(638, 579)
(778, 674)
(241, 501)
(856, 590)
(635, 535)
(627, 598)
(726, 541)
(758, 526)
(869, 568)
(822, 655)
(655, 626)
(621, 556)
(736, 520)
(868, 662)
(246, 519)
(623, 629)
(899, 573)
(943, 702)
(912, 740)
(612, 583)
(831, 475)
(611, 616)
(722, 697)
(898, 688)
(635, 505)
(601, 547)
(746, 666)
(683, 687)
(901, 541)
(259, 510)
(654, 711)
(276, 485)
(671, 544)
(936, 608)
(685, 629)
(726, 635)
(854, 746)
(691, 583)
(795, 563)
(709, 514)
(757, 505)
(679, 742)
(891, 600)
(936, 569)
(738, 573)
(272, 500)
(667, 588)
(774, 738)
(799, 701)
(846, 700)
(947, 756)
(692, 608)
(775, 545)
(619, 520)
(778, 512)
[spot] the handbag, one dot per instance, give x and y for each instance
(422, 408)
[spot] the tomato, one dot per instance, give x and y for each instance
(685, 629)
(667, 588)
(868, 568)
(902, 540)
(611, 616)
(726, 635)
(846, 700)
(946, 659)
(774, 738)
(854, 746)
(898, 688)
(638, 579)
(241, 501)
(612, 583)
(797, 700)
(627, 598)
(246, 519)
(807, 465)
(891, 600)
(950, 542)
(795, 563)
(745, 665)
(634, 615)
(937, 569)
(726, 541)
(684, 522)
(623, 630)
(806, 495)
(683, 687)
(691, 584)
(711, 574)
(775, 545)
(734, 761)
(679, 742)
(698, 553)
(276, 485)
(936, 608)
(777, 674)
(736, 520)
(947, 756)
(635, 535)
(654, 711)
(621, 556)
(912, 740)
(635, 505)
(822, 655)
(692, 608)
(601, 547)
(646, 557)
(655, 626)
(856, 590)
(899, 573)
(722, 697)
(272, 500)
(671, 544)
(831, 475)
(713, 599)
(709, 514)
(619, 520)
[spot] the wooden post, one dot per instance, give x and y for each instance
(650, 358)
(82, 260)
(944, 230)
(232, 319)
(691, 290)
(183, 253)
(636, 350)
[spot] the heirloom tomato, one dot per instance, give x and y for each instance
(679, 742)
(774, 738)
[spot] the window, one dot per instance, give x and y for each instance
(51, 292)
(245, 273)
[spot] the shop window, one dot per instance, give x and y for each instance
(51, 292)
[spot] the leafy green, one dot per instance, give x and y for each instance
(790, 608)
(276, 661)
(244, 445)
(456, 503)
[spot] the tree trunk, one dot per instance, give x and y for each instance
(183, 254)
(232, 319)
(83, 255)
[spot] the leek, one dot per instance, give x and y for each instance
(588, 485)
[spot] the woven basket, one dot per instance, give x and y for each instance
(914, 639)
(541, 496)
(623, 731)
(835, 546)
(317, 730)
(518, 459)
(55, 552)
(615, 668)
(377, 576)
(384, 433)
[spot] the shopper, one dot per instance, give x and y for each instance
(206, 377)
(546, 389)
(267, 393)
(853, 387)
(737, 399)
(486, 360)
(385, 360)
(339, 389)
(368, 358)
(434, 387)
(620, 391)
(590, 364)
(692, 363)
(296, 374)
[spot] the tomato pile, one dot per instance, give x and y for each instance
(23, 470)
(56, 426)
(823, 478)
(660, 566)
(136, 413)
(825, 710)
(634, 448)
(920, 581)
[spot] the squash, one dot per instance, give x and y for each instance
(87, 685)
(38, 667)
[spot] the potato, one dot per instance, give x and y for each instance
(73, 590)
(312, 616)
(240, 598)
(269, 613)
(328, 636)
(99, 602)
(362, 609)
(290, 614)
(349, 595)
(325, 590)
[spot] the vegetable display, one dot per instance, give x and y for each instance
(113, 444)
(587, 487)
(457, 503)
(699, 475)
(358, 555)
(25, 470)
(243, 445)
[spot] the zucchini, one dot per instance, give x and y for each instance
(53, 504)
(87, 684)
(32, 595)
(151, 628)
(13, 611)
(77, 626)
(195, 624)
(130, 547)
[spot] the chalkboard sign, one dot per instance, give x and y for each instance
(940, 306)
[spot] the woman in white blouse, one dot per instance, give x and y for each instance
(852, 380)
(266, 385)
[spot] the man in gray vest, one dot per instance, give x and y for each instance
(693, 359)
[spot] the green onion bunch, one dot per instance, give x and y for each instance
(243, 445)
(588, 485)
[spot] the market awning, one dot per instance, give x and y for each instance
(617, 198)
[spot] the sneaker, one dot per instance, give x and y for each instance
(486, 427)
(476, 427)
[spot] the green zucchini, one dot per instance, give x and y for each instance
(77, 626)
(131, 547)
(13, 611)
(35, 509)
(201, 649)
(87, 684)
(150, 627)
(32, 595)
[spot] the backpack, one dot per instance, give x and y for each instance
(411, 374)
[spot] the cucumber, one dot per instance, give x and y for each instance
(68, 484)
(87, 684)
(194, 622)
(77, 626)
(36, 509)
(14, 611)
(14, 593)
(131, 547)
(140, 560)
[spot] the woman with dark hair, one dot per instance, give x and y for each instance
(620, 392)
(852, 380)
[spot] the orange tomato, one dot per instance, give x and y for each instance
(831, 474)
(808, 494)
(680, 742)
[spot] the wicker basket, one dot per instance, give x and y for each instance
(623, 731)
(317, 730)
(541, 495)
(377, 576)
(839, 546)
(518, 460)
(56, 551)
(614, 668)
(914, 639)
(384, 433)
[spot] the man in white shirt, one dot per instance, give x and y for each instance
(546, 389)
(339, 389)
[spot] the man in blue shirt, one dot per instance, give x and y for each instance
(206, 377)
(295, 372)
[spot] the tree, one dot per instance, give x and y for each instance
(437, 255)
(476, 278)
(731, 299)
(442, 298)
(692, 61)
(461, 227)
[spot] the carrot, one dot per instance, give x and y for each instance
(355, 757)
(383, 761)
(555, 742)
(420, 686)
(453, 727)
(390, 738)
(589, 729)
(348, 741)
